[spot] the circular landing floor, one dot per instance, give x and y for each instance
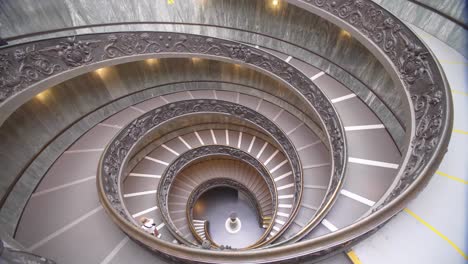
(216, 205)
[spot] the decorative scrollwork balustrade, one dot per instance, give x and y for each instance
(116, 153)
(419, 74)
(204, 152)
(414, 69)
(37, 65)
(29, 65)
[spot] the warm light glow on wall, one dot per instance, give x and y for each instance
(345, 34)
(275, 5)
(101, 72)
(152, 61)
(199, 207)
(170, 2)
(196, 60)
(42, 96)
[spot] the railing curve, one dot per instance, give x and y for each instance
(200, 153)
(410, 63)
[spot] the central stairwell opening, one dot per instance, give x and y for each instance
(217, 205)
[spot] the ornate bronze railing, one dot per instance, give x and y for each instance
(418, 77)
(31, 67)
(208, 242)
(208, 236)
(413, 68)
(409, 62)
(116, 154)
(197, 154)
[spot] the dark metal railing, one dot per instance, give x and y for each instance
(415, 71)
(209, 151)
(114, 157)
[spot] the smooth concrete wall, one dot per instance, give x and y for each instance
(288, 29)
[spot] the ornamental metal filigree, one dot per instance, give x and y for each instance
(187, 158)
(417, 69)
(31, 63)
(52, 57)
(23, 66)
(129, 136)
(75, 53)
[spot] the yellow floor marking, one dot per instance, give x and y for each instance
(437, 232)
(459, 92)
(460, 131)
(452, 177)
(353, 257)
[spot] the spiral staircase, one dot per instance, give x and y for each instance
(293, 136)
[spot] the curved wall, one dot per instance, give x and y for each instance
(289, 29)
(438, 22)
(452, 8)
(445, 127)
(45, 117)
